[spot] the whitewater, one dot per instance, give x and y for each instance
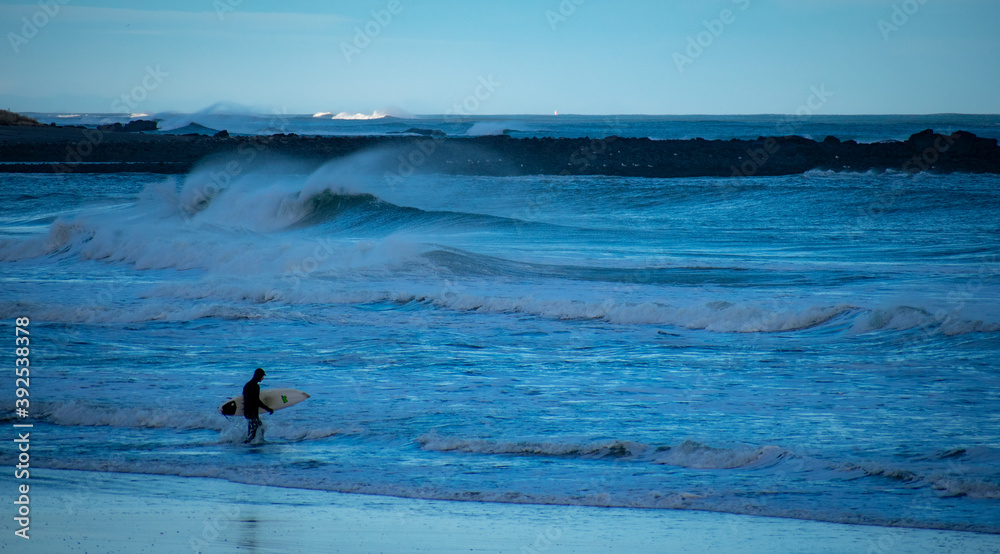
(822, 346)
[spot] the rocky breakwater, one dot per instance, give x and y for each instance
(58, 149)
(924, 151)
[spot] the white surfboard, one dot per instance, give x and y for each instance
(275, 399)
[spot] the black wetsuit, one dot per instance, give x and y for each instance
(251, 408)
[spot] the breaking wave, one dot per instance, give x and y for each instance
(689, 454)
(361, 116)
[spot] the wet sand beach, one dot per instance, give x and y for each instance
(74, 511)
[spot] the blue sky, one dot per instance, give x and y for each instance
(574, 56)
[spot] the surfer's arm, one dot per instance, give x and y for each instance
(263, 405)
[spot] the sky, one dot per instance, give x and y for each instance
(503, 57)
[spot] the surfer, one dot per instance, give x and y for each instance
(251, 403)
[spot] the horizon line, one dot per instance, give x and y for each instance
(554, 116)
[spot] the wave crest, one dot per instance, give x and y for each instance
(376, 114)
(689, 454)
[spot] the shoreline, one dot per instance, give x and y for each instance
(54, 149)
(75, 511)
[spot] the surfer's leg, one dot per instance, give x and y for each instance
(252, 425)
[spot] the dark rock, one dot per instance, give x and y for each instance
(137, 126)
(222, 134)
(796, 139)
(923, 135)
(425, 132)
(922, 140)
(967, 137)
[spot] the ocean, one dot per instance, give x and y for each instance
(823, 346)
